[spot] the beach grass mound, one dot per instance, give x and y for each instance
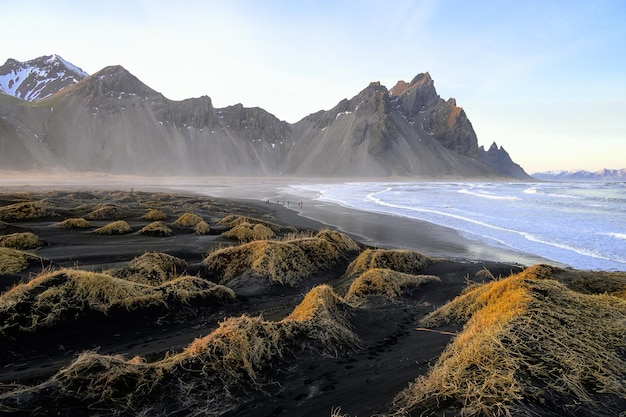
(246, 232)
(188, 220)
(157, 228)
(154, 215)
(529, 346)
(283, 262)
(202, 228)
(119, 227)
(25, 211)
(13, 261)
(387, 283)
(24, 240)
(400, 260)
(212, 376)
(109, 212)
(233, 220)
(154, 268)
(68, 294)
(74, 223)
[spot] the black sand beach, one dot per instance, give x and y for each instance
(315, 372)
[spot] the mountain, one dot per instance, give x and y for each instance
(38, 78)
(582, 175)
(112, 122)
(500, 161)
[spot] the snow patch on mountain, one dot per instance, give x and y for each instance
(38, 78)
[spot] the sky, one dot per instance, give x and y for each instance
(545, 79)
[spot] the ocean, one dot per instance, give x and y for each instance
(579, 224)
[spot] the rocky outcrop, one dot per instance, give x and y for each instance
(499, 160)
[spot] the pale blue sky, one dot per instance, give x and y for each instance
(545, 79)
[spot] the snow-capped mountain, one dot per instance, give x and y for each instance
(38, 78)
(583, 175)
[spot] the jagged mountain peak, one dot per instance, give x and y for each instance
(38, 78)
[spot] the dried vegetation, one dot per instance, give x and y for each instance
(13, 261)
(283, 262)
(386, 282)
(156, 228)
(109, 212)
(25, 211)
(119, 227)
(400, 260)
(74, 223)
(529, 346)
(24, 240)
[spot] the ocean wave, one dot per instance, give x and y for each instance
(489, 196)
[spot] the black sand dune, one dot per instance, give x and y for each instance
(308, 323)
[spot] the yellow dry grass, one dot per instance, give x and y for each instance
(24, 240)
(233, 220)
(156, 228)
(401, 260)
(386, 282)
(283, 262)
(246, 232)
(202, 228)
(119, 227)
(188, 220)
(242, 352)
(13, 261)
(109, 212)
(55, 296)
(529, 346)
(29, 210)
(154, 215)
(154, 268)
(74, 223)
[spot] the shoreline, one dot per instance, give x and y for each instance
(371, 228)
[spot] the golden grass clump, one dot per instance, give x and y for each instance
(386, 282)
(401, 260)
(154, 268)
(13, 261)
(529, 346)
(109, 212)
(30, 210)
(202, 228)
(119, 227)
(241, 354)
(154, 215)
(156, 228)
(233, 220)
(24, 240)
(246, 232)
(55, 296)
(188, 220)
(74, 223)
(283, 262)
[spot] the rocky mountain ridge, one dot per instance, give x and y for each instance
(583, 175)
(38, 78)
(112, 122)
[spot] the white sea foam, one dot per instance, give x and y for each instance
(578, 224)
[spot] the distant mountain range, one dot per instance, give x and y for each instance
(582, 175)
(56, 117)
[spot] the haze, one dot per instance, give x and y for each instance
(545, 79)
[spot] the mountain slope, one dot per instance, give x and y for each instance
(583, 175)
(38, 78)
(112, 122)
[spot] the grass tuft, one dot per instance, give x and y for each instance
(246, 232)
(119, 227)
(24, 240)
(283, 262)
(109, 212)
(529, 346)
(75, 223)
(154, 216)
(386, 282)
(202, 228)
(13, 261)
(25, 211)
(156, 228)
(188, 220)
(400, 260)
(154, 268)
